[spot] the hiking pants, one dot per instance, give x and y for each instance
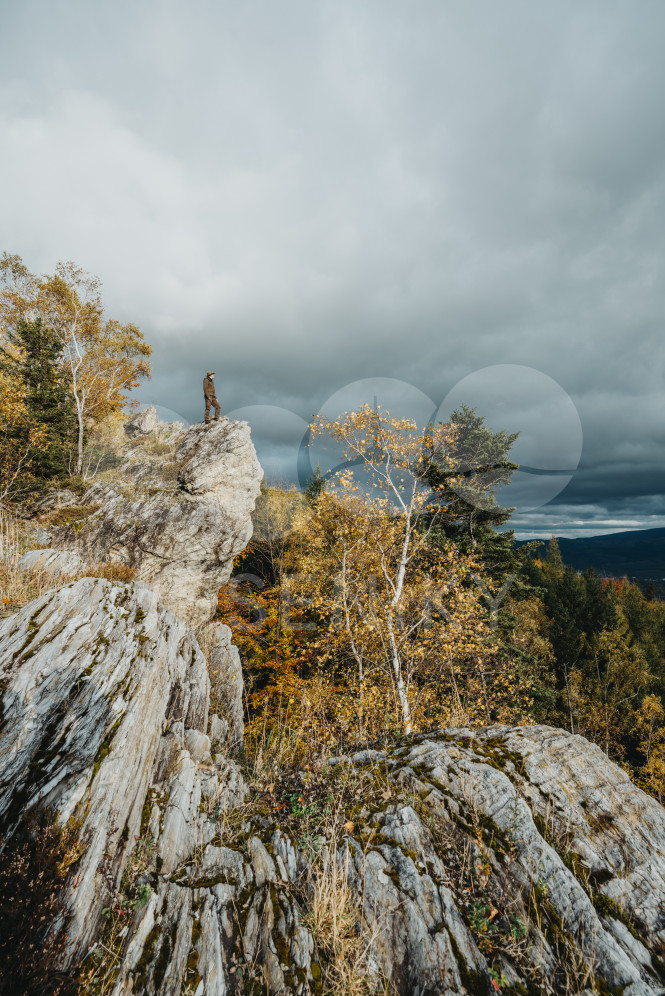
(211, 403)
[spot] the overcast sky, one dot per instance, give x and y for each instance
(443, 201)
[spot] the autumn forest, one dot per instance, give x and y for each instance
(387, 598)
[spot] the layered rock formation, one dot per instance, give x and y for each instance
(512, 860)
(515, 861)
(176, 511)
(528, 843)
(93, 674)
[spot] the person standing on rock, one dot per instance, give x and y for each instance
(210, 396)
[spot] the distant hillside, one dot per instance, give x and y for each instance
(639, 555)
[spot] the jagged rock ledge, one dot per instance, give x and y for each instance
(177, 511)
(519, 860)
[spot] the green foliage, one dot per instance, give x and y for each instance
(33, 356)
(476, 467)
(299, 808)
(608, 665)
(315, 485)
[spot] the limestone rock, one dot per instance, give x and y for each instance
(168, 431)
(37, 534)
(143, 423)
(518, 858)
(92, 674)
(65, 562)
(226, 669)
(180, 538)
(215, 461)
(219, 729)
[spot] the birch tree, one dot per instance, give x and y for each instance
(370, 573)
(102, 357)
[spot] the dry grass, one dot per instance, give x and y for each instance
(275, 746)
(334, 920)
(314, 803)
(19, 586)
(157, 447)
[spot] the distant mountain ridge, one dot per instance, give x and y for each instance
(639, 554)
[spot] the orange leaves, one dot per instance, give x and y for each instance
(361, 627)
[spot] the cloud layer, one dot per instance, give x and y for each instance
(309, 194)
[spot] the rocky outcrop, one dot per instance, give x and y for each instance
(175, 512)
(95, 675)
(105, 708)
(143, 423)
(478, 863)
(526, 844)
(497, 860)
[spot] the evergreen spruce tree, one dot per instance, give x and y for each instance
(315, 485)
(599, 610)
(33, 357)
(479, 467)
(468, 490)
(553, 558)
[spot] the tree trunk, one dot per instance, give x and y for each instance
(402, 691)
(79, 460)
(404, 703)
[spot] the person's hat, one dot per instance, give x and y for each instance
(210, 373)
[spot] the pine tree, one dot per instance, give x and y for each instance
(33, 356)
(553, 559)
(473, 469)
(315, 485)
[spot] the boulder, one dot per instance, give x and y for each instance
(178, 517)
(143, 423)
(56, 562)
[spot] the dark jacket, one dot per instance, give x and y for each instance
(208, 389)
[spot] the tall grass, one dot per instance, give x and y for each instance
(18, 585)
(333, 918)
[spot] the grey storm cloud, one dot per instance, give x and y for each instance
(310, 194)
